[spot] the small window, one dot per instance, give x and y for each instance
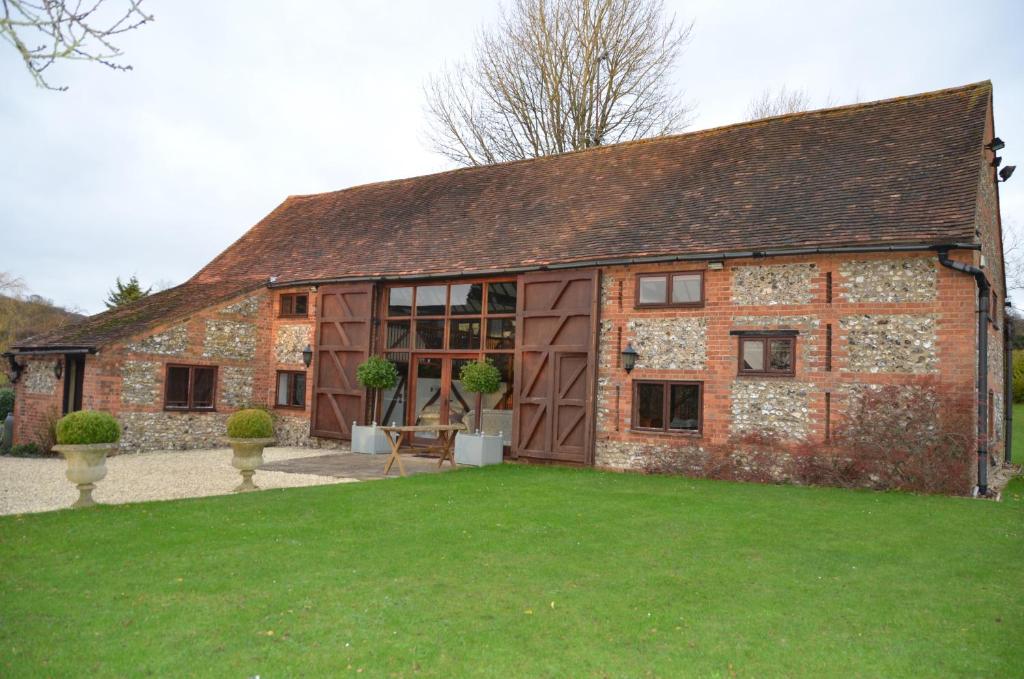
(291, 389)
(667, 406)
(295, 305)
(673, 289)
(190, 387)
(767, 355)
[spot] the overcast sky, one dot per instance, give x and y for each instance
(232, 106)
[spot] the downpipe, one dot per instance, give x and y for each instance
(1008, 389)
(982, 379)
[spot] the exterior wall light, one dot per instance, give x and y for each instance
(1007, 172)
(58, 369)
(629, 358)
(307, 355)
(715, 266)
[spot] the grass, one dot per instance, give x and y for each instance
(519, 571)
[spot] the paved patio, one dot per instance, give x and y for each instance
(353, 466)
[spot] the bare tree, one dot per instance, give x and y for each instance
(778, 102)
(46, 31)
(1013, 255)
(560, 75)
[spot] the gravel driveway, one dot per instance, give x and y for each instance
(39, 485)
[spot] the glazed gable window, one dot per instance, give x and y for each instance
(294, 304)
(685, 289)
(667, 406)
(767, 355)
(190, 387)
(291, 389)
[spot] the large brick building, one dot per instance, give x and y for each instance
(795, 289)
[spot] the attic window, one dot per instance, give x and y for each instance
(294, 305)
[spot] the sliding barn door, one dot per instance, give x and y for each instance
(343, 320)
(556, 319)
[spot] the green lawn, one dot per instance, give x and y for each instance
(519, 571)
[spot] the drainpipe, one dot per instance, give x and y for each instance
(982, 381)
(1008, 389)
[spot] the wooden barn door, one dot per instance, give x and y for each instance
(555, 366)
(343, 321)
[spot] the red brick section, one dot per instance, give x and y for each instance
(897, 171)
(956, 330)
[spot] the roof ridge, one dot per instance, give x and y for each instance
(846, 108)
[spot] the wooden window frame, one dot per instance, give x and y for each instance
(292, 296)
(291, 389)
(191, 380)
(447, 317)
(765, 338)
(666, 407)
(668, 303)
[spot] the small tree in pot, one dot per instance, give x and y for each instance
(375, 374)
(249, 432)
(479, 377)
(85, 438)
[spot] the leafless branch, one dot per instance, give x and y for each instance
(559, 75)
(46, 31)
(779, 102)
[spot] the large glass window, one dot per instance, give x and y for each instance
(467, 299)
(190, 387)
(430, 300)
(667, 406)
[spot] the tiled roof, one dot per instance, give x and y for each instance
(128, 320)
(898, 171)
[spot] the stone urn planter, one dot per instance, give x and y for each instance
(85, 438)
(369, 440)
(247, 456)
(478, 450)
(87, 464)
(249, 432)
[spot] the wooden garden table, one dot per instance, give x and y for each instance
(445, 436)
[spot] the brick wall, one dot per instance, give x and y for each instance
(895, 321)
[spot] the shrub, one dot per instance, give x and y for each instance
(251, 423)
(87, 426)
(480, 377)
(377, 372)
(1018, 377)
(6, 402)
(27, 450)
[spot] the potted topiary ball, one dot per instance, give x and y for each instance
(375, 374)
(477, 448)
(249, 432)
(85, 438)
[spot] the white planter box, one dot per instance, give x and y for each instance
(478, 450)
(369, 440)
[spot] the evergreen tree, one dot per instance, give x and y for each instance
(123, 293)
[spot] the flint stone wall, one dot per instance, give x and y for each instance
(777, 409)
(140, 382)
(249, 306)
(230, 339)
(897, 343)
(888, 280)
(142, 432)
(670, 343)
(236, 386)
(289, 342)
(171, 342)
(774, 284)
(39, 378)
